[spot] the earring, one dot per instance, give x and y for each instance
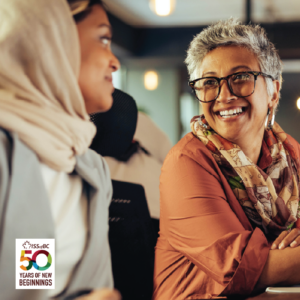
(270, 119)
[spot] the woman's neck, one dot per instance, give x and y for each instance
(251, 147)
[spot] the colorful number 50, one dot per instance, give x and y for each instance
(32, 261)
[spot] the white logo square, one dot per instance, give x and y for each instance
(35, 264)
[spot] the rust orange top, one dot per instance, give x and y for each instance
(207, 247)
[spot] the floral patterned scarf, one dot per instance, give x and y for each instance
(270, 198)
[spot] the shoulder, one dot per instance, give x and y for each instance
(14, 153)
(151, 137)
(143, 124)
(190, 147)
(190, 153)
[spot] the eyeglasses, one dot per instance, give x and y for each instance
(241, 84)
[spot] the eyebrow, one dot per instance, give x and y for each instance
(108, 26)
(232, 70)
(208, 73)
(241, 67)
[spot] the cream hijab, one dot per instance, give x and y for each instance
(40, 98)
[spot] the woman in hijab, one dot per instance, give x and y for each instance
(230, 189)
(52, 186)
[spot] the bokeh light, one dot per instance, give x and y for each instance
(162, 8)
(298, 103)
(151, 80)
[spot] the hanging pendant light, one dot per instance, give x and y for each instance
(162, 8)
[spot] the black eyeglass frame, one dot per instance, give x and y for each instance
(219, 79)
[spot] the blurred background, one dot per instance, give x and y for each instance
(151, 38)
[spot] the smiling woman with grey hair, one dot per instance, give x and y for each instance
(230, 189)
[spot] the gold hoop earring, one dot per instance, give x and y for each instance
(270, 119)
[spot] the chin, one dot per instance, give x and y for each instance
(107, 106)
(231, 137)
(102, 105)
(107, 103)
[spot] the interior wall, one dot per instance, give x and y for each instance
(162, 104)
(288, 115)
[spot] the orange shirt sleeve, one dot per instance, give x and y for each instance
(198, 222)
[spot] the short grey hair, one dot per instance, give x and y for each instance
(233, 32)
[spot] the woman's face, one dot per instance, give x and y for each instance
(97, 61)
(249, 125)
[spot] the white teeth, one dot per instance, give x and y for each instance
(231, 113)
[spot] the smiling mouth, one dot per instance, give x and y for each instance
(231, 113)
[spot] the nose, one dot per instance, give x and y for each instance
(225, 94)
(114, 63)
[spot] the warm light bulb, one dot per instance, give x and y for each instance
(151, 80)
(298, 103)
(162, 8)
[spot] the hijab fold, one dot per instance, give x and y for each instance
(269, 197)
(40, 98)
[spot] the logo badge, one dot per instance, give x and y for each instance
(35, 264)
